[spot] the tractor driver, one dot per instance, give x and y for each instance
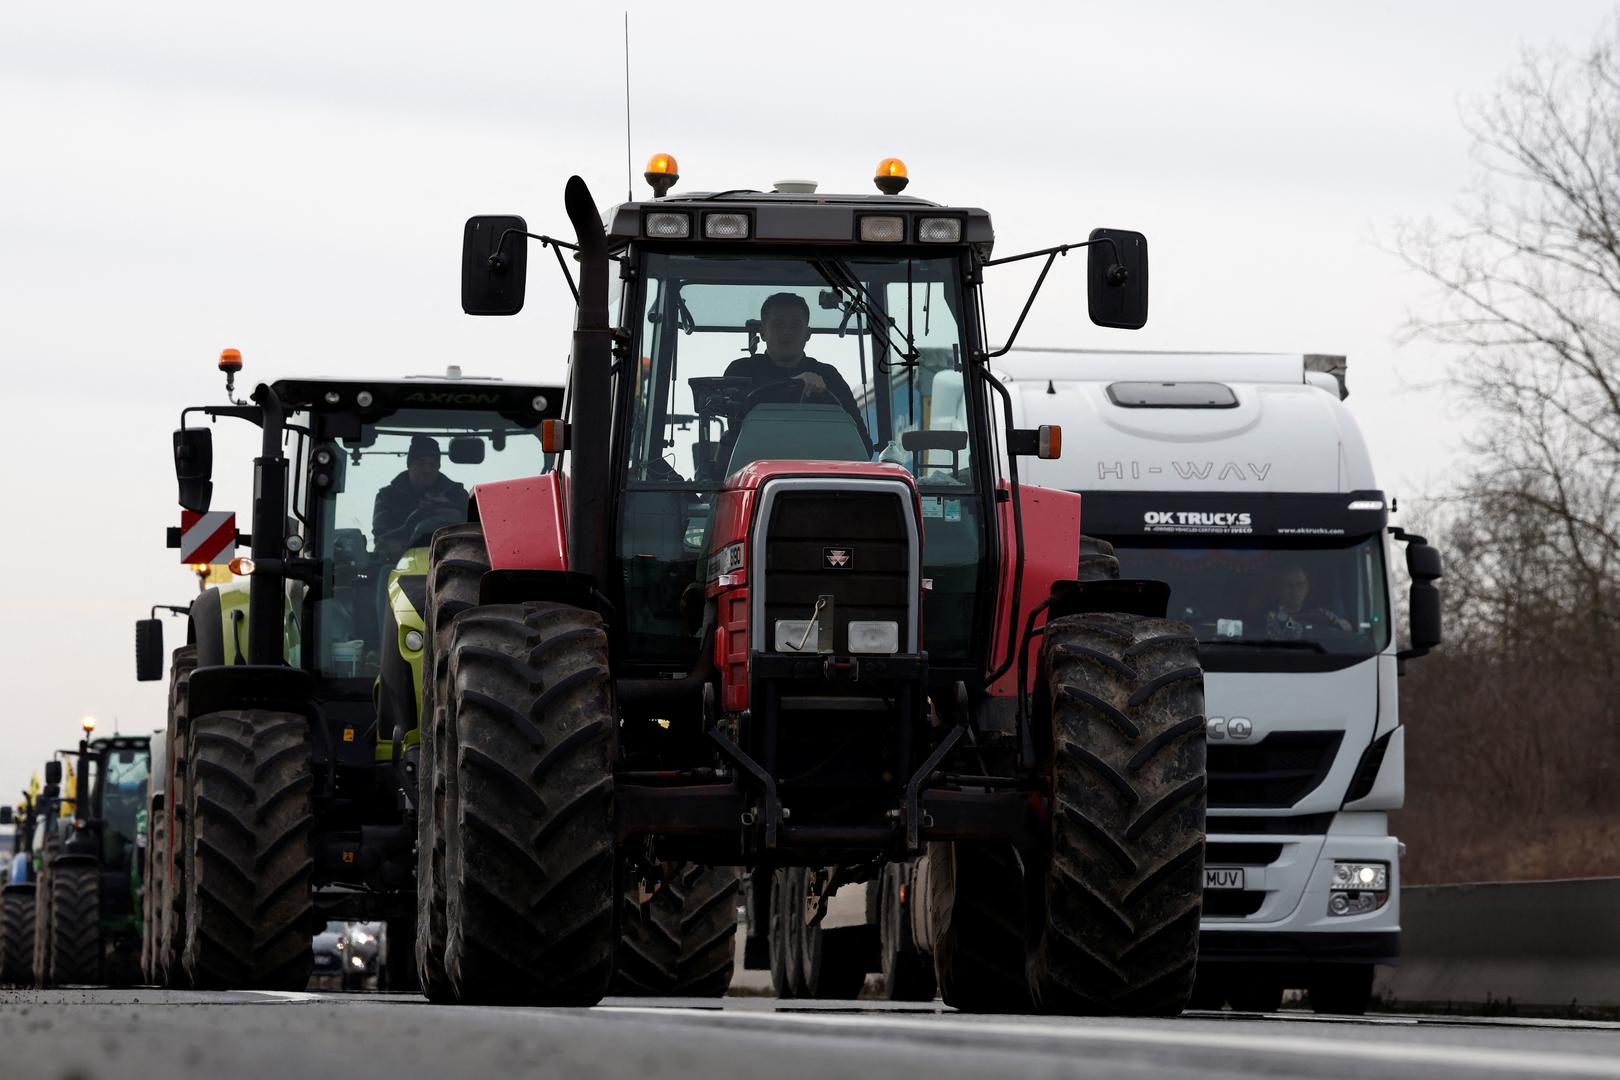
(785, 329)
(421, 487)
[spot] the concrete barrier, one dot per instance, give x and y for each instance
(1526, 945)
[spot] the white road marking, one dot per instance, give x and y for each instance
(1517, 1062)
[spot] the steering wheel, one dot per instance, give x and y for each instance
(781, 392)
(426, 520)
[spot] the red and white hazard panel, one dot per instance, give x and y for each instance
(207, 538)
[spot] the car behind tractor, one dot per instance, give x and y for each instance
(787, 606)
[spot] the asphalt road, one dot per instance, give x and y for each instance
(104, 1034)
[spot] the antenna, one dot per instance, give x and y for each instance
(629, 174)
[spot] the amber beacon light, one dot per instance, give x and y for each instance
(891, 176)
(661, 174)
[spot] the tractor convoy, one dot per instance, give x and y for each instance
(760, 613)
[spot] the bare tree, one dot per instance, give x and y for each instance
(1530, 291)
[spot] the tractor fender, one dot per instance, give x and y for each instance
(525, 522)
(1051, 531)
(218, 625)
(271, 687)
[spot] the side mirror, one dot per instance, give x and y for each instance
(466, 450)
(53, 773)
(7, 815)
(194, 467)
(148, 650)
(494, 264)
(1117, 279)
(1424, 600)
(1423, 562)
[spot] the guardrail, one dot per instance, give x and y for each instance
(1523, 945)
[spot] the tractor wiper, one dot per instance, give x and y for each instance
(836, 272)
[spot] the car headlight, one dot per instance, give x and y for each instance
(1358, 887)
(357, 961)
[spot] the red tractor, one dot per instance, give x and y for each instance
(784, 606)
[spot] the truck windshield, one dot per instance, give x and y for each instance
(744, 357)
(1329, 599)
(408, 474)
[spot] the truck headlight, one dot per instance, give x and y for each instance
(1358, 887)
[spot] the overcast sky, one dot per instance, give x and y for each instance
(291, 179)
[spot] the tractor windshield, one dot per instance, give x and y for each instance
(123, 793)
(744, 357)
(378, 500)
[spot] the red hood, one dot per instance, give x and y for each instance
(751, 476)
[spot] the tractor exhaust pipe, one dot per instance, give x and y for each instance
(590, 374)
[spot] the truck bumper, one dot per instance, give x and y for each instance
(1287, 900)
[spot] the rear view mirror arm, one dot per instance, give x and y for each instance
(497, 261)
(1118, 271)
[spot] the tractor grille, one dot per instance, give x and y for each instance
(851, 545)
(1276, 772)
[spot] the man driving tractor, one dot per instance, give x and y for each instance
(421, 486)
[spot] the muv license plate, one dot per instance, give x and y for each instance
(1223, 877)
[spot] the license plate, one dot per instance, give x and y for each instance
(1223, 877)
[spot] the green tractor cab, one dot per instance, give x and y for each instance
(303, 678)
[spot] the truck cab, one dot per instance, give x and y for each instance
(1244, 482)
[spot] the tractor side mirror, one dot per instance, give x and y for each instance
(194, 467)
(466, 450)
(53, 773)
(494, 264)
(1117, 279)
(7, 815)
(148, 650)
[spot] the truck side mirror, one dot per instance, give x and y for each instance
(194, 467)
(148, 650)
(1117, 279)
(1424, 566)
(53, 773)
(494, 264)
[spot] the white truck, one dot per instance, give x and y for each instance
(1243, 482)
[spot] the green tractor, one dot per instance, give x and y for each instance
(90, 879)
(291, 746)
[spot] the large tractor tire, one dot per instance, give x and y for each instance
(786, 932)
(835, 961)
(17, 934)
(530, 860)
(1119, 893)
(75, 920)
(169, 862)
(43, 939)
(152, 897)
(458, 561)
(908, 973)
(976, 894)
(250, 866)
(682, 942)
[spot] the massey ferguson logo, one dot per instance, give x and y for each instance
(838, 558)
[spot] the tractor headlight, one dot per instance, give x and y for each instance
(413, 640)
(668, 226)
(882, 229)
(873, 636)
(940, 230)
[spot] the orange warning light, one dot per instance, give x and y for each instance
(891, 178)
(230, 360)
(661, 174)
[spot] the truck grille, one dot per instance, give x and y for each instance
(851, 545)
(1276, 772)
